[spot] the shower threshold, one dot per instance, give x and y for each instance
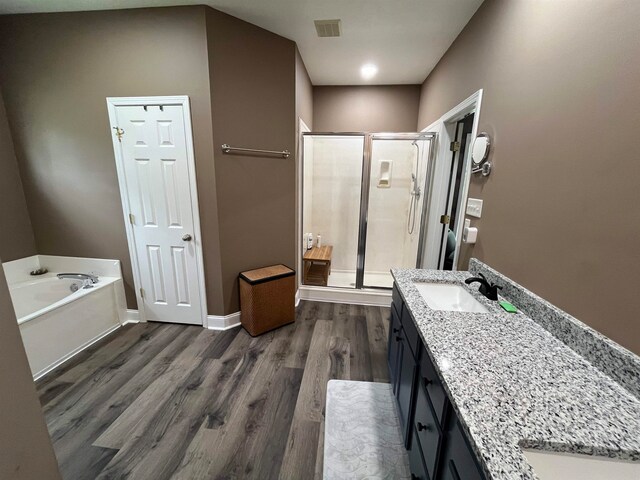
(347, 279)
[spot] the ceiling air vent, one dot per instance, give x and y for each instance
(327, 28)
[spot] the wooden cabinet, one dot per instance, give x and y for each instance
(395, 337)
(402, 371)
(438, 448)
(448, 472)
(429, 380)
(427, 431)
(411, 332)
(458, 459)
(416, 462)
(406, 379)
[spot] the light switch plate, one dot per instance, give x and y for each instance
(474, 207)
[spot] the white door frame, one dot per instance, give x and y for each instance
(445, 127)
(183, 101)
(302, 128)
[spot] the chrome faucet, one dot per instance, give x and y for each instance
(86, 278)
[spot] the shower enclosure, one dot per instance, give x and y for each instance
(365, 196)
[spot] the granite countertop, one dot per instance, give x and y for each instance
(513, 384)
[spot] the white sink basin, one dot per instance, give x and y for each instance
(551, 466)
(447, 296)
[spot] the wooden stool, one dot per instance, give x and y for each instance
(317, 265)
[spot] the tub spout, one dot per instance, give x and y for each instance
(79, 276)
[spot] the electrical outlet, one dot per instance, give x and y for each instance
(474, 207)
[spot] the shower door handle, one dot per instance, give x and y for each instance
(186, 237)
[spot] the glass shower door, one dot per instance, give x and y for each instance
(397, 179)
(331, 203)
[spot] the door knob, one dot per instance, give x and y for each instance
(186, 237)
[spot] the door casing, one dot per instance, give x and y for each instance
(183, 101)
(459, 160)
(445, 128)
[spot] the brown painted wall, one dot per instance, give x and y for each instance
(253, 104)
(56, 71)
(17, 240)
(304, 111)
(562, 104)
(25, 448)
(380, 108)
(304, 93)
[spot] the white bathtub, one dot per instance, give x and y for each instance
(55, 322)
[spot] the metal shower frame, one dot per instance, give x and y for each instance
(366, 184)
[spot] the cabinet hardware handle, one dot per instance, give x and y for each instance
(422, 426)
(398, 339)
(396, 330)
(414, 477)
(426, 381)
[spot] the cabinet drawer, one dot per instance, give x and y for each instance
(413, 339)
(430, 380)
(427, 432)
(416, 463)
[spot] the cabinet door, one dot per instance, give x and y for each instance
(410, 332)
(458, 459)
(416, 462)
(426, 431)
(393, 349)
(406, 376)
(430, 380)
(449, 471)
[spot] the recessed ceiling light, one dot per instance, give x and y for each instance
(368, 71)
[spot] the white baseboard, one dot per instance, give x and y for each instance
(297, 298)
(74, 352)
(223, 322)
(213, 322)
(132, 316)
(380, 298)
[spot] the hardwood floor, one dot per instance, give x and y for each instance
(161, 401)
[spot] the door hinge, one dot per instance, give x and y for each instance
(119, 133)
(454, 146)
(445, 219)
(132, 219)
(142, 292)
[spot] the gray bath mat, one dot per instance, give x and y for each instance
(362, 436)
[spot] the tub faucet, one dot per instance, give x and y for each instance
(488, 289)
(80, 276)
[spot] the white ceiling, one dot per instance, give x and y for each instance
(404, 38)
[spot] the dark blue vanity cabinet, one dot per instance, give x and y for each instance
(403, 369)
(395, 341)
(438, 448)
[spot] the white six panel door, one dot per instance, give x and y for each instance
(154, 153)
